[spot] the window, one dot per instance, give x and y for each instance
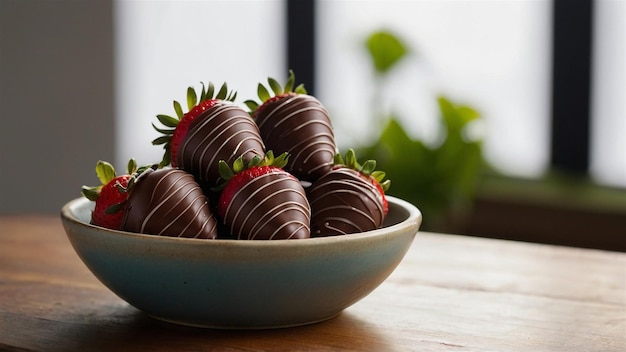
(608, 139)
(492, 55)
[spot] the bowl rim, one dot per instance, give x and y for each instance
(413, 220)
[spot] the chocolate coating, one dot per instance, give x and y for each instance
(343, 202)
(270, 207)
(300, 125)
(169, 202)
(223, 132)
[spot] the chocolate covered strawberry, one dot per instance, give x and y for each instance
(291, 121)
(348, 199)
(214, 129)
(261, 201)
(168, 202)
(176, 127)
(110, 196)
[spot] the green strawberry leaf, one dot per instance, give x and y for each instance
(192, 98)
(167, 120)
(91, 193)
(131, 168)
(385, 185)
(105, 172)
(338, 159)
(165, 131)
(351, 160)
(239, 165)
(290, 82)
(179, 111)
(281, 160)
(210, 91)
(113, 208)
(263, 93)
(162, 140)
(251, 104)
(223, 92)
(379, 175)
(300, 89)
(368, 167)
(276, 88)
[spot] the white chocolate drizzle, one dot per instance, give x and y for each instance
(300, 125)
(271, 206)
(344, 202)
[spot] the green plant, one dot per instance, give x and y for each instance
(440, 179)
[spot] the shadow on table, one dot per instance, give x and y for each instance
(129, 329)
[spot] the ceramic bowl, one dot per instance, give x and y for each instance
(238, 284)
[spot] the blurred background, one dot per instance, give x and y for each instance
(502, 118)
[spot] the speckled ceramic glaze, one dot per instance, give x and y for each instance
(239, 284)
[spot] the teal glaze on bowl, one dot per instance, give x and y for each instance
(235, 284)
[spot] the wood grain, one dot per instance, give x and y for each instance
(450, 293)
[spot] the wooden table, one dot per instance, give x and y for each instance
(450, 293)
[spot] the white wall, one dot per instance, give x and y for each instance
(163, 47)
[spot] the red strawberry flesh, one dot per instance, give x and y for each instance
(265, 203)
(110, 196)
(237, 182)
(183, 126)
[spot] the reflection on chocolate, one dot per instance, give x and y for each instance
(344, 202)
(169, 202)
(223, 132)
(299, 124)
(270, 207)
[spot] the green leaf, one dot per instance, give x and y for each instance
(178, 109)
(338, 159)
(91, 193)
(113, 208)
(105, 172)
(269, 158)
(165, 131)
(168, 120)
(252, 105)
(192, 98)
(300, 89)
(281, 160)
(263, 93)
(368, 167)
(210, 91)
(239, 165)
(276, 88)
(161, 140)
(223, 92)
(167, 157)
(351, 159)
(225, 171)
(291, 80)
(385, 50)
(379, 175)
(132, 166)
(385, 185)
(203, 92)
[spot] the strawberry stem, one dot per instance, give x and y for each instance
(239, 165)
(264, 94)
(368, 168)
